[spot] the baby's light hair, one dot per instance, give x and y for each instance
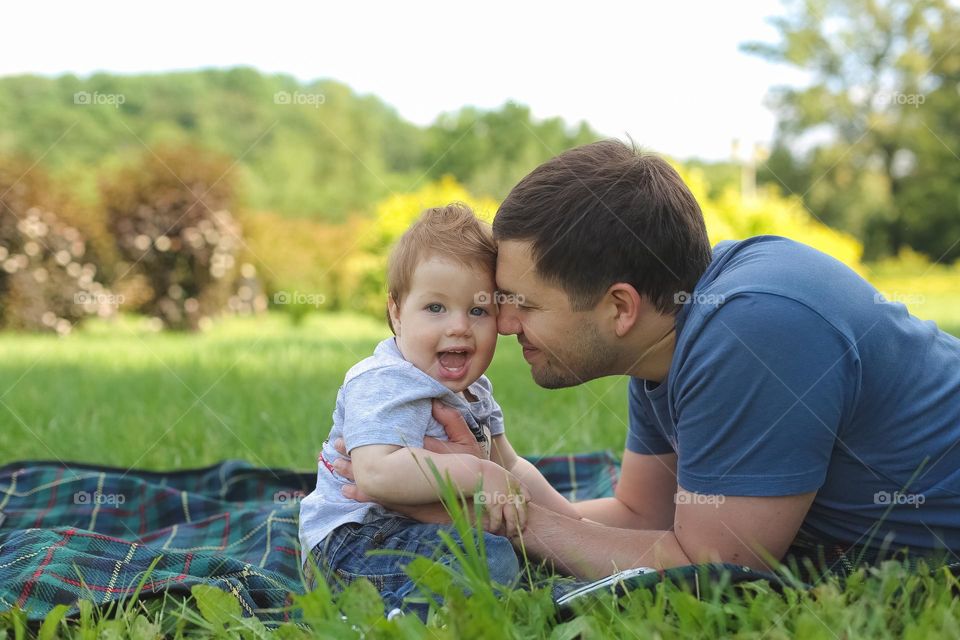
(453, 232)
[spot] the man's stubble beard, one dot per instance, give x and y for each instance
(585, 357)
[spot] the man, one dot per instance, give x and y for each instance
(773, 390)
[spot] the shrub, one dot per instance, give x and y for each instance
(731, 217)
(48, 276)
(170, 218)
(363, 275)
(301, 261)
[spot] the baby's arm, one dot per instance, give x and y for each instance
(402, 475)
(541, 492)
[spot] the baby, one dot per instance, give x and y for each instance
(442, 312)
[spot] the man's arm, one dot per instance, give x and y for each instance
(643, 498)
(740, 530)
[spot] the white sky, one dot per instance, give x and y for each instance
(668, 73)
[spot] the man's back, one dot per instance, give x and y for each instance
(792, 374)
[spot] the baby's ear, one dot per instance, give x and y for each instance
(393, 315)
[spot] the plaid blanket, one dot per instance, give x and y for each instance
(76, 531)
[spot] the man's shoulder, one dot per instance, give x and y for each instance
(773, 264)
(778, 272)
(770, 290)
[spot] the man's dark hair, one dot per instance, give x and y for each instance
(605, 213)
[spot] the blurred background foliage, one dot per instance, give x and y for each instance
(872, 142)
(186, 195)
(315, 150)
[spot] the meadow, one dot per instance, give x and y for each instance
(263, 390)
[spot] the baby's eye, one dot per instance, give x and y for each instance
(436, 307)
(478, 311)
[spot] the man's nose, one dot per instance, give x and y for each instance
(508, 323)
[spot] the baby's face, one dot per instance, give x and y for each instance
(446, 325)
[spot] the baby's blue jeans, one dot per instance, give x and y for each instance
(342, 557)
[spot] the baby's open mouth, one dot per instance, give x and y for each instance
(453, 362)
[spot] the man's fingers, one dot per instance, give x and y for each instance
(514, 521)
(436, 446)
(452, 422)
(340, 446)
(509, 520)
(521, 517)
(344, 468)
(517, 520)
(493, 518)
(461, 439)
(351, 491)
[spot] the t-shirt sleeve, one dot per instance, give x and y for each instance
(495, 419)
(643, 436)
(387, 405)
(760, 397)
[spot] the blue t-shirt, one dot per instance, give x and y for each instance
(792, 374)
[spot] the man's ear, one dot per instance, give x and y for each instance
(627, 306)
(393, 315)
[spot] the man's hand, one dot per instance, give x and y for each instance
(461, 439)
(344, 467)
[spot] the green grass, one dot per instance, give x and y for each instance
(264, 390)
(256, 389)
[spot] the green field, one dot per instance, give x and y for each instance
(264, 389)
(260, 389)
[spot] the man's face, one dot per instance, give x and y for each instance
(563, 347)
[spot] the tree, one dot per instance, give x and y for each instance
(854, 142)
(490, 151)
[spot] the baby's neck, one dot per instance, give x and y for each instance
(469, 397)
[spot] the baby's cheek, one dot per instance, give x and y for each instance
(488, 352)
(487, 343)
